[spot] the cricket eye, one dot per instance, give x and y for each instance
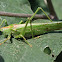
(1, 32)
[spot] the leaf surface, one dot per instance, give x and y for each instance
(19, 51)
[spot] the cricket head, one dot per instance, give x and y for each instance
(5, 30)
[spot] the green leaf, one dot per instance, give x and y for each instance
(58, 7)
(18, 50)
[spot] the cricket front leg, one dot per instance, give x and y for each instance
(4, 20)
(6, 39)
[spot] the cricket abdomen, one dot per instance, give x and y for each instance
(42, 28)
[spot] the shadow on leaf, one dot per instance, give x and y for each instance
(1, 59)
(59, 58)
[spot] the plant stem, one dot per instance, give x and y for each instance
(23, 15)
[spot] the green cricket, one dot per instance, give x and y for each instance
(28, 29)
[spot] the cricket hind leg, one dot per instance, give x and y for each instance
(30, 19)
(39, 8)
(4, 20)
(6, 39)
(23, 32)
